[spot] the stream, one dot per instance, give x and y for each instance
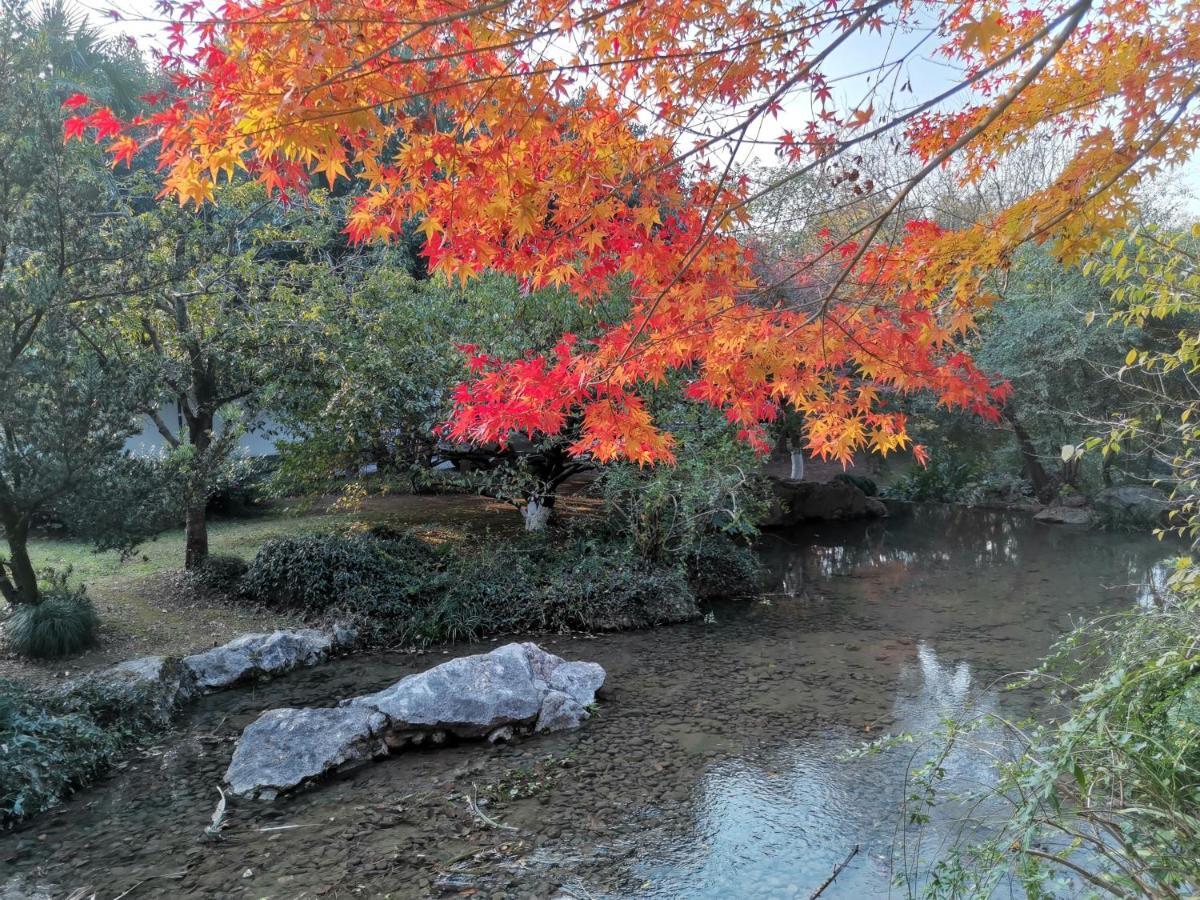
(715, 766)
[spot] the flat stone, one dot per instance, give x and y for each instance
(257, 655)
(1066, 515)
(468, 696)
(284, 748)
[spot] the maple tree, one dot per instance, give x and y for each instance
(577, 143)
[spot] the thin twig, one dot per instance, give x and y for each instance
(474, 807)
(836, 872)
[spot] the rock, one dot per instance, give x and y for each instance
(560, 712)
(468, 696)
(284, 748)
(256, 655)
(809, 501)
(162, 680)
(344, 636)
(515, 688)
(1066, 515)
(1133, 504)
(578, 680)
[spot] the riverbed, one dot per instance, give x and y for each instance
(715, 767)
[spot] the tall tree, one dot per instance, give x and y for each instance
(64, 242)
(221, 314)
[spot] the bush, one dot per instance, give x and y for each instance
(862, 482)
(940, 481)
(402, 591)
(63, 623)
(52, 742)
(221, 573)
(315, 573)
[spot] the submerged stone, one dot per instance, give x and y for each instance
(514, 688)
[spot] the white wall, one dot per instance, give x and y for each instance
(258, 440)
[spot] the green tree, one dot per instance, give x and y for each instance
(64, 243)
(224, 313)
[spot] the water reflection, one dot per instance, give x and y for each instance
(779, 818)
(958, 598)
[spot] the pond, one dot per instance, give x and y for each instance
(715, 768)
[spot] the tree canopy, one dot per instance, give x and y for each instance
(574, 144)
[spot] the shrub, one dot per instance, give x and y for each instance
(940, 481)
(316, 573)
(221, 573)
(52, 742)
(862, 482)
(63, 623)
(401, 590)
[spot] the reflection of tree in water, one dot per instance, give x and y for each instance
(926, 537)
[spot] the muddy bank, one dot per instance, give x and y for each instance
(713, 763)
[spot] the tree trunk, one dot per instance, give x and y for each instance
(1029, 456)
(196, 517)
(797, 465)
(196, 545)
(536, 513)
(23, 587)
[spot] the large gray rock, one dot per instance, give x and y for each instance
(514, 688)
(258, 655)
(796, 502)
(1133, 504)
(468, 696)
(284, 748)
(163, 681)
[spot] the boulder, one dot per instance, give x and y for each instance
(283, 748)
(513, 689)
(259, 655)
(1133, 504)
(796, 502)
(1066, 515)
(162, 680)
(468, 697)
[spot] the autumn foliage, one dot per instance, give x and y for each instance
(588, 143)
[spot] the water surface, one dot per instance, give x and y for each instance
(715, 767)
